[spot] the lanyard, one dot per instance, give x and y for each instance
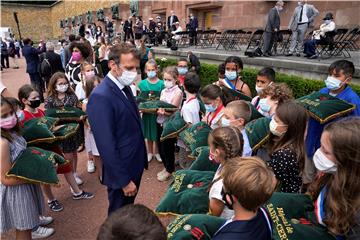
(190, 99)
(218, 110)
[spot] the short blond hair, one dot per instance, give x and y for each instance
(250, 180)
(240, 109)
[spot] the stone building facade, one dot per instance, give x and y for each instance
(44, 21)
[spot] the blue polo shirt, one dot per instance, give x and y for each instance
(257, 228)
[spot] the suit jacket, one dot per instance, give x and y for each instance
(311, 13)
(54, 60)
(194, 24)
(171, 27)
(194, 62)
(32, 58)
(273, 20)
(116, 125)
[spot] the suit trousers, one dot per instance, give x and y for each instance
(297, 38)
(37, 83)
(117, 199)
(5, 58)
(268, 42)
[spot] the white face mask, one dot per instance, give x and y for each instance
(322, 163)
(273, 126)
(333, 83)
(225, 122)
(168, 84)
(62, 88)
(259, 89)
(127, 78)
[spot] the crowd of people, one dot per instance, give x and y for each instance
(103, 78)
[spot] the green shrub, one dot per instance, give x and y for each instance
(300, 86)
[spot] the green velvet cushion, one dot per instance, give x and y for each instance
(289, 212)
(194, 227)
(148, 95)
(324, 107)
(173, 126)
(202, 162)
(187, 193)
(66, 113)
(238, 95)
(258, 132)
(37, 166)
(152, 106)
(38, 130)
(196, 136)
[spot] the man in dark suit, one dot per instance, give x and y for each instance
(172, 19)
(193, 26)
(54, 62)
(31, 55)
(128, 29)
(116, 125)
(272, 28)
(194, 62)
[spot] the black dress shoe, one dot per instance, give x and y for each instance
(298, 54)
(289, 55)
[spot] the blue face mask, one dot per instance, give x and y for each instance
(264, 106)
(333, 83)
(225, 122)
(182, 70)
(209, 108)
(231, 75)
(151, 74)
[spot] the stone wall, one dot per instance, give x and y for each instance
(43, 21)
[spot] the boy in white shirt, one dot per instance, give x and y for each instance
(190, 111)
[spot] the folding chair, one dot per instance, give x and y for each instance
(285, 43)
(223, 39)
(327, 49)
(346, 45)
(210, 38)
(256, 39)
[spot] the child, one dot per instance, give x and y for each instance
(337, 189)
(248, 184)
(224, 143)
(233, 66)
(154, 85)
(30, 98)
(286, 145)
(214, 99)
(132, 222)
(22, 203)
(171, 94)
(87, 71)
(90, 84)
(190, 111)
(340, 74)
(271, 97)
(60, 94)
(237, 114)
(264, 78)
(182, 67)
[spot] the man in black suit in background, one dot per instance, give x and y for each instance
(172, 19)
(193, 26)
(272, 28)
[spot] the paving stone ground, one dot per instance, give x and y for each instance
(81, 219)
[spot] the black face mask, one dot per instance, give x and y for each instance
(34, 103)
(224, 194)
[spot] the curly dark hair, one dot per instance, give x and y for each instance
(84, 49)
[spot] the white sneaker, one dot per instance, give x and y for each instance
(45, 220)
(158, 157)
(90, 166)
(150, 157)
(164, 177)
(78, 180)
(42, 232)
(161, 172)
